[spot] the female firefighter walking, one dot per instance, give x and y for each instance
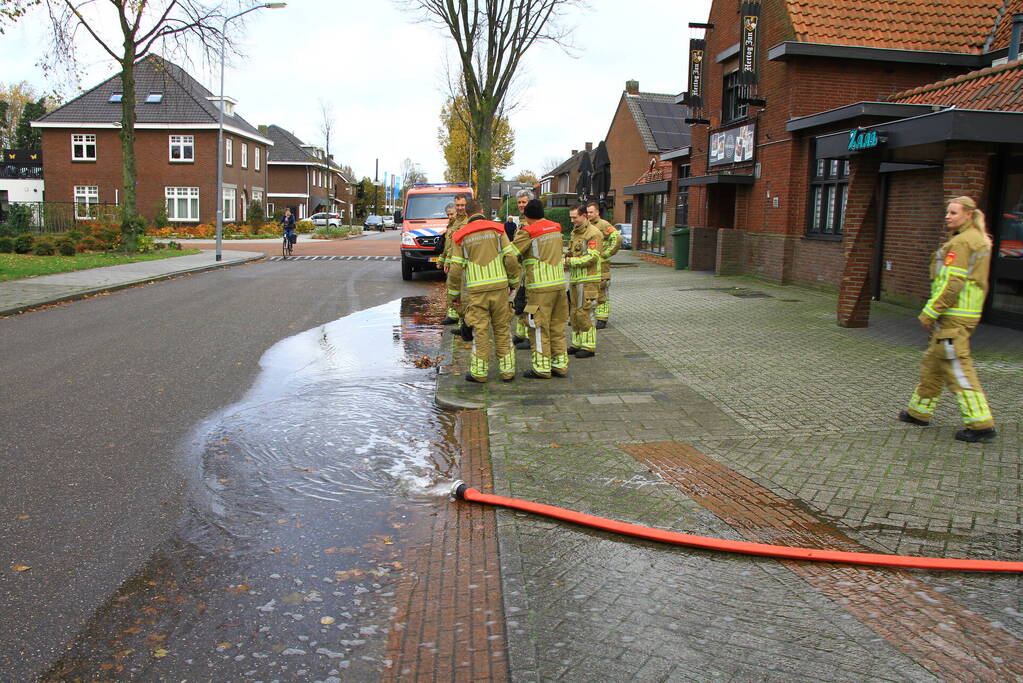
(959, 286)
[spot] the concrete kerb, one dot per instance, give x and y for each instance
(236, 258)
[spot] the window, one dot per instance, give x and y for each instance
(182, 148)
(255, 157)
(828, 197)
(245, 155)
(115, 97)
(731, 110)
(230, 202)
(86, 199)
(682, 198)
(83, 148)
(229, 151)
(269, 209)
(182, 203)
(154, 97)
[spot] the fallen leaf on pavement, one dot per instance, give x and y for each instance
(21, 568)
(161, 653)
(327, 621)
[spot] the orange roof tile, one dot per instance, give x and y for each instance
(659, 170)
(934, 25)
(999, 88)
(1003, 32)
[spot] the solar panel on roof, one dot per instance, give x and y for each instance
(667, 123)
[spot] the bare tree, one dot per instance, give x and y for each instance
(326, 124)
(12, 10)
(549, 164)
(411, 173)
(490, 39)
(141, 25)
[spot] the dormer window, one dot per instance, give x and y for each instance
(115, 97)
(154, 97)
(226, 102)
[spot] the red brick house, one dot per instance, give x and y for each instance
(833, 166)
(175, 149)
(304, 178)
(560, 184)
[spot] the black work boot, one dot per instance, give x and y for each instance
(466, 332)
(975, 435)
(572, 350)
(449, 321)
(532, 374)
(904, 416)
(469, 377)
(524, 344)
(601, 324)
(516, 339)
(584, 353)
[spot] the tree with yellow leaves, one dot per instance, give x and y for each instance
(454, 139)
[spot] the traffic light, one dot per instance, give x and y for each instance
(360, 191)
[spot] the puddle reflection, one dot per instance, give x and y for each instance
(301, 499)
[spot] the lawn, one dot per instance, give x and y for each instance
(14, 266)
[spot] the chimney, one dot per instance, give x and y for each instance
(632, 87)
(574, 152)
(264, 130)
(589, 146)
(1017, 30)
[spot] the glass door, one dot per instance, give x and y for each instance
(1006, 226)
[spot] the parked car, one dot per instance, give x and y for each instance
(373, 223)
(389, 222)
(626, 230)
(325, 218)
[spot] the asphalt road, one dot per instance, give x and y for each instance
(97, 397)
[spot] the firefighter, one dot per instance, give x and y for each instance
(538, 242)
(583, 263)
(522, 336)
(959, 286)
(484, 264)
(456, 219)
(612, 242)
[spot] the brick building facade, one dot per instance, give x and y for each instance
(305, 179)
(778, 207)
(175, 149)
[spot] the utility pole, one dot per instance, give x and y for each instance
(376, 188)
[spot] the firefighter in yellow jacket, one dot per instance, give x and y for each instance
(456, 219)
(484, 265)
(612, 243)
(538, 242)
(583, 263)
(959, 286)
(522, 336)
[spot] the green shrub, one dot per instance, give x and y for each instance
(66, 246)
(160, 220)
(256, 216)
(19, 221)
(559, 214)
(159, 245)
(333, 231)
(23, 244)
(144, 243)
(304, 227)
(6, 245)
(131, 230)
(44, 247)
(174, 245)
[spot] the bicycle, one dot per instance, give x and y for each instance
(287, 247)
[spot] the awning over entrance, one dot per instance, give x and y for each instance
(717, 179)
(927, 129)
(647, 188)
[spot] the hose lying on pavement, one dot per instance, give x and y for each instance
(462, 491)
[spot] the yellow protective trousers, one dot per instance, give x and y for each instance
(582, 302)
(947, 362)
(603, 309)
(547, 315)
(483, 311)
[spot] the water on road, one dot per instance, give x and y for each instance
(302, 499)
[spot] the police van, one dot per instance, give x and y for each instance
(424, 224)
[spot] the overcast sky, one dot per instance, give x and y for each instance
(382, 71)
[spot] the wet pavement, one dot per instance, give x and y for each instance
(299, 511)
(736, 408)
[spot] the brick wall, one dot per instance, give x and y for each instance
(154, 170)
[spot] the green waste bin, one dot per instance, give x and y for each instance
(681, 241)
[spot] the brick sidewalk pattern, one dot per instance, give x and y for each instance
(759, 380)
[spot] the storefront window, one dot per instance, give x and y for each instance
(1007, 229)
(828, 197)
(652, 221)
(682, 198)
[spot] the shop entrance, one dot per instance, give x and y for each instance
(1006, 226)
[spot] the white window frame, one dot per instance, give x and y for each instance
(175, 196)
(229, 151)
(245, 155)
(255, 157)
(269, 209)
(181, 143)
(81, 145)
(87, 196)
(230, 204)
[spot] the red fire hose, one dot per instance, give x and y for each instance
(462, 491)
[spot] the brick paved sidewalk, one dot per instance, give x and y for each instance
(735, 408)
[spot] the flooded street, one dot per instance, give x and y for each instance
(302, 499)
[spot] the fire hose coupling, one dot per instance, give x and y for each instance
(458, 490)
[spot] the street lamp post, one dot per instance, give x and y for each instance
(220, 127)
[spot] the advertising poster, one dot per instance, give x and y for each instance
(732, 146)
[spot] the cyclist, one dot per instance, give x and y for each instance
(287, 224)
